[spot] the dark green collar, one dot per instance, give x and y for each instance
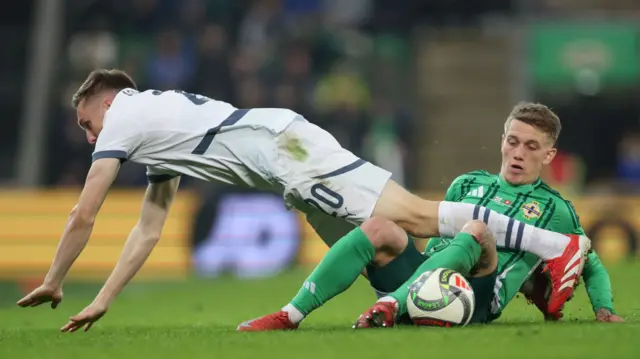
(520, 188)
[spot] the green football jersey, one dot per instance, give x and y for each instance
(536, 204)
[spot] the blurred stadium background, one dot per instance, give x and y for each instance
(419, 87)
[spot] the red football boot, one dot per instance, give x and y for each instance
(537, 291)
(381, 315)
(275, 321)
(565, 272)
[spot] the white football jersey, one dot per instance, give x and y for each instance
(171, 132)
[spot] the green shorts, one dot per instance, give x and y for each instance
(390, 277)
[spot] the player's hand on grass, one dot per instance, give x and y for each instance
(85, 318)
(42, 294)
(607, 316)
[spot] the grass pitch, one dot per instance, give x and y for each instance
(197, 319)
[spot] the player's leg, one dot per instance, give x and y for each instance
(386, 279)
(462, 255)
(423, 218)
(483, 278)
(319, 175)
(377, 241)
(565, 254)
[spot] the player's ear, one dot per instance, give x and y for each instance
(551, 154)
(107, 104)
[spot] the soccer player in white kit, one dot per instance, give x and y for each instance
(175, 133)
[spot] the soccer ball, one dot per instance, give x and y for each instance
(441, 298)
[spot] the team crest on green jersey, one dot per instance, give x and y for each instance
(531, 210)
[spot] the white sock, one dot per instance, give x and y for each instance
(295, 316)
(388, 298)
(508, 232)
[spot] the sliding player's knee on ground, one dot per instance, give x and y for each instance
(489, 256)
(415, 215)
(387, 238)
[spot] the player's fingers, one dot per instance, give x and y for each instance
(25, 302)
(67, 327)
(54, 304)
(81, 324)
(79, 318)
(76, 327)
(28, 300)
(74, 323)
(88, 326)
(36, 302)
(616, 319)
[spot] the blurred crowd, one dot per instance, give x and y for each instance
(347, 65)
(319, 58)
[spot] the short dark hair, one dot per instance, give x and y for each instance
(538, 116)
(100, 80)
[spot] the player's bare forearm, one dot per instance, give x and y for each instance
(143, 238)
(135, 252)
(80, 223)
(74, 239)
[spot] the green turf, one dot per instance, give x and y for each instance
(197, 319)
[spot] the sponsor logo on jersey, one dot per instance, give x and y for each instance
(531, 210)
(478, 192)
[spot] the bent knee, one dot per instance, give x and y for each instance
(384, 234)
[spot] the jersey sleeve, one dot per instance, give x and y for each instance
(454, 192)
(597, 283)
(119, 138)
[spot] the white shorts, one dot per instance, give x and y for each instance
(319, 175)
(313, 172)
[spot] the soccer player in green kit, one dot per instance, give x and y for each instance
(392, 262)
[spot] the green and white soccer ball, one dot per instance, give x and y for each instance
(441, 298)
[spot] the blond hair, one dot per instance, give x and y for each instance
(538, 116)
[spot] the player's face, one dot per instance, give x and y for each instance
(525, 150)
(90, 116)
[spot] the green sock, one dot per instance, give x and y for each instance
(461, 255)
(339, 268)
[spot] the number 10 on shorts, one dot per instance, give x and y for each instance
(326, 200)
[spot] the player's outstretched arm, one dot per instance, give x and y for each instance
(142, 239)
(598, 285)
(76, 233)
